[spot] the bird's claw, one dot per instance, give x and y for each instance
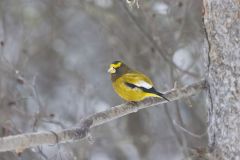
(133, 103)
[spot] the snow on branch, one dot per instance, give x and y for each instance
(27, 140)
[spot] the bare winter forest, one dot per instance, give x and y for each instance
(54, 56)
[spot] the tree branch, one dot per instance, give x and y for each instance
(23, 141)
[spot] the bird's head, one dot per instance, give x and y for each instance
(118, 68)
(115, 66)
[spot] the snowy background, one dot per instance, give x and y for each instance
(54, 56)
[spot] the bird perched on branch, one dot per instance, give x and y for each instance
(131, 85)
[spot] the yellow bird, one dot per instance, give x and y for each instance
(131, 85)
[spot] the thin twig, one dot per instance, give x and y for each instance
(23, 141)
(153, 42)
(188, 132)
(172, 126)
(180, 136)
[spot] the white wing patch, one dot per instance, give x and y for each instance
(143, 84)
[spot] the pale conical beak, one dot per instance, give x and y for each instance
(111, 70)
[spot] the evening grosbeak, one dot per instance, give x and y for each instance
(131, 85)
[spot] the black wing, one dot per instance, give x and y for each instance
(150, 90)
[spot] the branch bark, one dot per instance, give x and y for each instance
(23, 141)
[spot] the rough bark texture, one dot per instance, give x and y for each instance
(222, 22)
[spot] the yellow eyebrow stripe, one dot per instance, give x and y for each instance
(116, 65)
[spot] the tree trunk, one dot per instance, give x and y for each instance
(222, 22)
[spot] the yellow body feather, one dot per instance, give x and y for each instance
(132, 94)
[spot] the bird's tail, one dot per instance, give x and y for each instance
(154, 91)
(161, 95)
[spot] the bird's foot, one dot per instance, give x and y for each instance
(133, 103)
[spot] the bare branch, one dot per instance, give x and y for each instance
(154, 43)
(23, 141)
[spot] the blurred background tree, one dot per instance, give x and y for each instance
(53, 62)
